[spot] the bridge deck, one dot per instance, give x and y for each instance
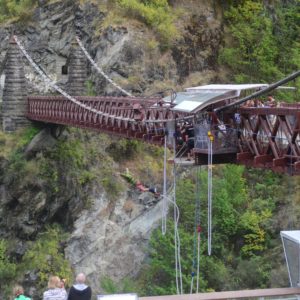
(265, 137)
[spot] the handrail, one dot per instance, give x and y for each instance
(229, 294)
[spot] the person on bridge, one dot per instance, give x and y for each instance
(80, 291)
(271, 102)
(138, 114)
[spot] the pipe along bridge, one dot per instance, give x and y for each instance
(221, 125)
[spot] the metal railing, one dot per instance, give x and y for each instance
(278, 293)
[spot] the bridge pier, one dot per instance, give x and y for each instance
(77, 71)
(14, 105)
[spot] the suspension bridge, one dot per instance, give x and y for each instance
(265, 137)
(224, 130)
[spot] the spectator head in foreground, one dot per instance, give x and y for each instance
(80, 291)
(54, 282)
(80, 278)
(55, 290)
(19, 293)
(18, 290)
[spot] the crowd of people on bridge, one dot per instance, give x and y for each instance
(57, 290)
(270, 102)
(185, 137)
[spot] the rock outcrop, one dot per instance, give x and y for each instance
(108, 234)
(110, 240)
(124, 53)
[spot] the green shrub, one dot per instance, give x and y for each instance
(262, 44)
(90, 88)
(243, 229)
(124, 149)
(7, 268)
(252, 51)
(110, 183)
(19, 9)
(27, 135)
(155, 13)
(46, 257)
(124, 286)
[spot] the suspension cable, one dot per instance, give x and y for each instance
(48, 81)
(52, 84)
(198, 257)
(98, 68)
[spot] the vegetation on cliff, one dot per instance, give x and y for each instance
(18, 10)
(157, 14)
(250, 207)
(247, 203)
(246, 243)
(51, 186)
(42, 258)
(262, 44)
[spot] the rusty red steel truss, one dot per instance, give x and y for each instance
(270, 138)
(266, 137)
(132, 117)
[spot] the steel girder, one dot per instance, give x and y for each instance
(267, 137)
(131, 117)
(270, 138)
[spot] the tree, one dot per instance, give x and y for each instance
(252, 51)
(244, 206)
(7, 269)
(45, 256)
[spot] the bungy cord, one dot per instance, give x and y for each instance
(197, 235)
(209, 192)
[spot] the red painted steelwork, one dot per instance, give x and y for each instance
(270, 138)
(135, 117)
(267, 137)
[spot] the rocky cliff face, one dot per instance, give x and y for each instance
(109, 224)
(124, 51)
(106, 238)
(111, 240)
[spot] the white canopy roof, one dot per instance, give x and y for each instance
(293, 235)
(236, 87)
(197, 98)
(192, 102)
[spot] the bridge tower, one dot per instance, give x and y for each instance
(14, 105)
(77, 71)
